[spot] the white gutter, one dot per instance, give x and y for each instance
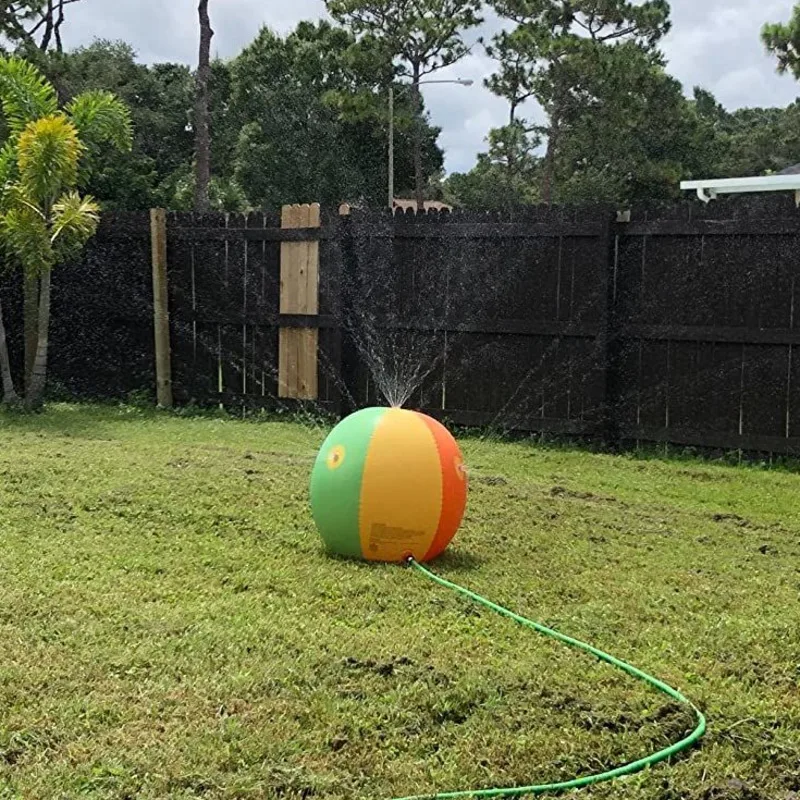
(709, 189)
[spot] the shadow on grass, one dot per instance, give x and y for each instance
(98, 420)
(458, 561)
(73, 420)
(452, 560)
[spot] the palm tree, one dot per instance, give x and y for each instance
(10, 396)
(44, 220)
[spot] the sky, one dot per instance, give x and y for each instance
(713, 43)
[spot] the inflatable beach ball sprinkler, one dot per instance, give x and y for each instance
(388, 484)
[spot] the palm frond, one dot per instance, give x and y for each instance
(8, 169)
(25, 94)
(102, 118)
(49, 151)
(25, 238)
(16, 198)
(75, 221)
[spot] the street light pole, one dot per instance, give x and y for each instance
(459, 82)
(391, 147)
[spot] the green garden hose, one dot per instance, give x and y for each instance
(589, 780)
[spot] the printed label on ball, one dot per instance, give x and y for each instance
(387, 537)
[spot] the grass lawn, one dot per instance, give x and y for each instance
(170, 627)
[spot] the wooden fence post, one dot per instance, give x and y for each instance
(612, 347)
(298, 346)
(158, 238)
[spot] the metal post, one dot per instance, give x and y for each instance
(158, 236)
(460, 82)
(391, 147)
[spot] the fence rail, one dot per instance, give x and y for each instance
(681, 325)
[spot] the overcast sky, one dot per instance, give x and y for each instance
(714, 43)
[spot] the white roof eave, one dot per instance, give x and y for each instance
(708, 190)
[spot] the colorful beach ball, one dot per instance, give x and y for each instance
(388, 484)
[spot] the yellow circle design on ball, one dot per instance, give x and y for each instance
(336, 457)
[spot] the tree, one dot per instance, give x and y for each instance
(631, 135)
(43, 218)
(16, 19)
(505, 177)
(516, 79)
(556, 46)
(311, 119)
(34, 24)
(750, 141)
(202, 113)
(627, 135)
(160, 99)
(295, 117)
(510, 161)
(424, 36)
(783, 41)
(10, 396)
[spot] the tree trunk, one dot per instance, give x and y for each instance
(31, 324)
(57, 27)
(511, 161)
(35, 394)
(51, 18)
(202, 113)
(419, 181)
(548, 177)
(9, 392)
(48, 26)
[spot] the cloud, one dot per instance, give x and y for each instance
(714, 44)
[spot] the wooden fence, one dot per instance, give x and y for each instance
(706, 304)
(679, 325)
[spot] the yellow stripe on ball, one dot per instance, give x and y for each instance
(401, 491)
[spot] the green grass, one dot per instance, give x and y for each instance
(170, 628)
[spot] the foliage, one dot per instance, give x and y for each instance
(224, 194)
(16, 17)
(311, 119)
(555, 51)
(627, 135)
(423, 36)
(290, 116)
(783, 41)
(749, 141)
(33, 27)
(43, 218)
(506, 176)
(101, 119)
(160, 100)
(516, 79)
(632, 137)
(304, 116)
(420, 37)
(172, 627)
(25, 94)
(48, 152)
(75, 220)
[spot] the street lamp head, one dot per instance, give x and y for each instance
(456, 81)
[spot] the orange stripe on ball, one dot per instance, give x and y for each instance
(454, 487)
